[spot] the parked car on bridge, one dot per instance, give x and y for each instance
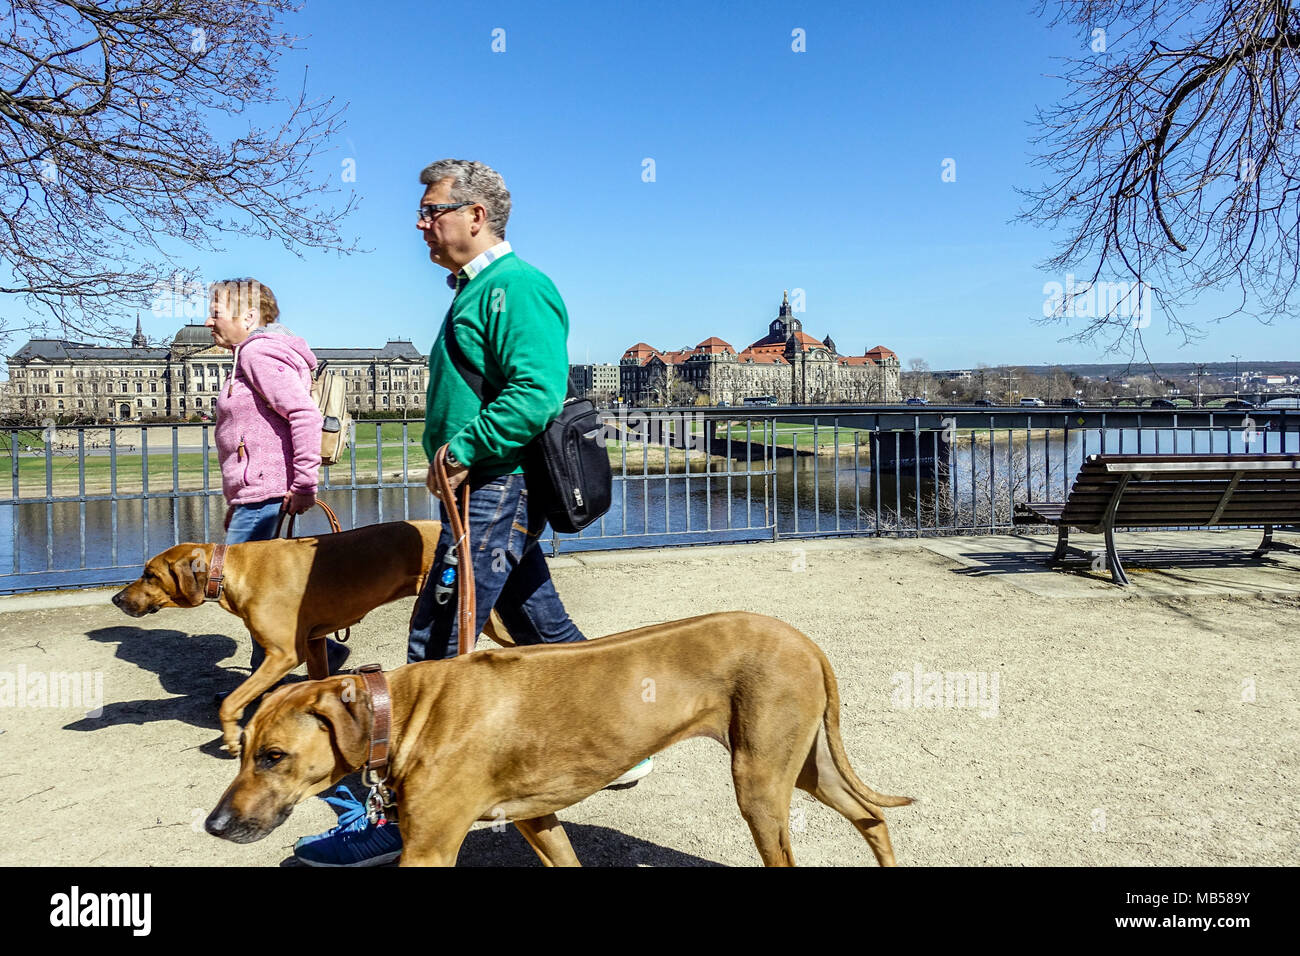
(1238, 403)
(1031, 402)
(1073, 403)
(984, 402)
(1162, 403)
(917, 401)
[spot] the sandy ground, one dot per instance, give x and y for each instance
(1145, 728)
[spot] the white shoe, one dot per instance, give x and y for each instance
(633, 775)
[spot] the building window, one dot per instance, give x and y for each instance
(198, 403)
(153, 402)
(153, 386)
(60, 388)
(139, 403)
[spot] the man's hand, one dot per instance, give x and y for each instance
(296, 504)
(454, 478)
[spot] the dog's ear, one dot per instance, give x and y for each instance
(343, 703)
(188, 570)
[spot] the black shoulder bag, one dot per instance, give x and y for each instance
(566, 467)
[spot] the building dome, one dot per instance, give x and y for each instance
(192, 336)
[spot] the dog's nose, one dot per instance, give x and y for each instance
(218, 822)
(117, 598)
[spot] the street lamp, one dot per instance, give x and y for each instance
(1236, 375)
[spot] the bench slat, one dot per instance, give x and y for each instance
(1129, 467)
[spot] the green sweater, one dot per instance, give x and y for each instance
(512, 326)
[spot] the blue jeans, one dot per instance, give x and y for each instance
(255, 522)
(510, 575)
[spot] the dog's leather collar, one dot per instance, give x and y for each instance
(381, 707)
(213, 590)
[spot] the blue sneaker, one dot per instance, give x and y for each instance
(350, 811)
(353, 842)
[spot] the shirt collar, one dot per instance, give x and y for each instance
(478, 264)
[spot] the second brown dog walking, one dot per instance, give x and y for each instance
(519, 734)
(292, 592)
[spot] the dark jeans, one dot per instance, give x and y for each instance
(255, 522)
(510, 575)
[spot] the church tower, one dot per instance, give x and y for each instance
(785, 324)
(138, 341)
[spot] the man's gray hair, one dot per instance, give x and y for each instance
(473, 182)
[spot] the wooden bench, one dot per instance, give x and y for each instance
(1163, 491)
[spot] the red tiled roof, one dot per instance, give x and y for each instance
(714, 344)
(857, 360)
(767, 355)
(676, 357)
(880, 350)
(641, 352)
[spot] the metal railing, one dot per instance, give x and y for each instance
(88, 505)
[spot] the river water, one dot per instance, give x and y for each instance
(980, 478)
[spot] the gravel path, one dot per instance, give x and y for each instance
(1135, 731)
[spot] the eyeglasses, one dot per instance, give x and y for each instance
(431, 212)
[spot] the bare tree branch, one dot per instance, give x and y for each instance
(129, 125)
(1172, 160)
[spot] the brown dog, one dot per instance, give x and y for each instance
(292, 592)
(519, 734)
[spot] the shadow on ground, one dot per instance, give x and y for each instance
(1092, 564)
(188, 667)
(594, 846)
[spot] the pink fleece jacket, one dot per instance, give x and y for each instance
(266, 407)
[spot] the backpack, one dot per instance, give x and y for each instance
(329, 392)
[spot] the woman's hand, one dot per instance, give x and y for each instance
(296, 504)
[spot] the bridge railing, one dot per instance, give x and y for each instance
(88, 504)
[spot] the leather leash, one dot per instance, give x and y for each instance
(375, 772)
(459, 553)
(335, 527)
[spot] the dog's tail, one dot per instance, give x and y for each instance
(831, 722)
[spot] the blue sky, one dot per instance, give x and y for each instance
(818, 170)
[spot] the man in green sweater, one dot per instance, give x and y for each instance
(512, 328)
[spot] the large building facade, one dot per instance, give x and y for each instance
(598, 382)
(787, 364)
(60, 379)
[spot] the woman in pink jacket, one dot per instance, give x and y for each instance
(268, 427)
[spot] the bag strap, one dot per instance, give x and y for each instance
(472, 376)
(329, 513)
